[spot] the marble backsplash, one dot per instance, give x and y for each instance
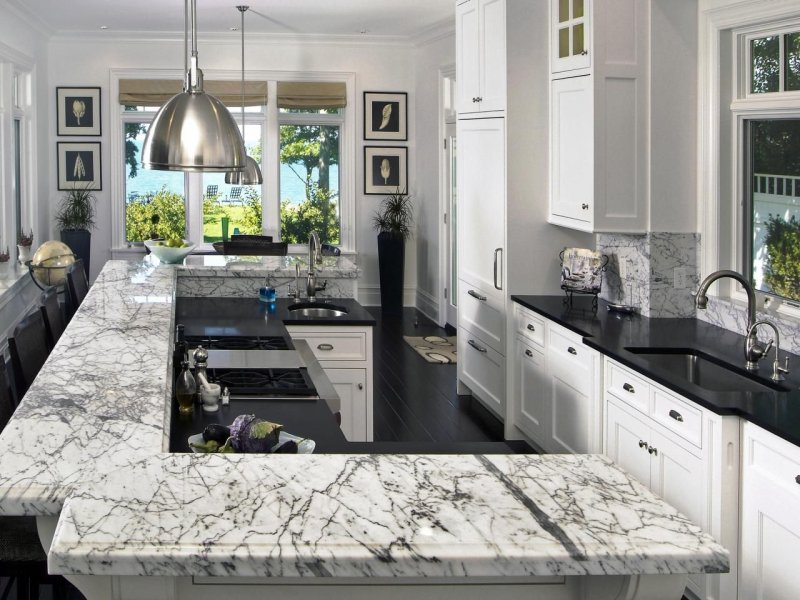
(642, 271)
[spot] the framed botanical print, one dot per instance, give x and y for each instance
(386, 116)
(385, 169)
(78, 110)
(79, 166)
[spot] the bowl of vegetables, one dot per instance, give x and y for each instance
(249, 434)
(172, 250)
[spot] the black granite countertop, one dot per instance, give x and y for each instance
(612, 333)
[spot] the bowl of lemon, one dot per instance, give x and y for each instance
(171, 251)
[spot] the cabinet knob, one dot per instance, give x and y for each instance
(528, 353)
(572, 351)
(642, 444)
(325, 347)
(653, 451)
(629, 388)
(585, 206)
(361, 386)
(797, 479)
(676, 415)
(474, 98)
(478, 99)
(531, 327)
(584, 53)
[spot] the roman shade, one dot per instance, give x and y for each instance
(156, 92)
(312, 94)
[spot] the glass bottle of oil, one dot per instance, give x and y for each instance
(185, 389)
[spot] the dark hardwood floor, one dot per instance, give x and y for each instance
(415, 400)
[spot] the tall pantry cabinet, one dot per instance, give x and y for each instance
(481, 180)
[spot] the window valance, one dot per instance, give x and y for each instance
(155, 92)
(312, 94)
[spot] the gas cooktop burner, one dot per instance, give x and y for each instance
(291, 382)
(238, 342)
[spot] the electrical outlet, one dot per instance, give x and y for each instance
(681, 282)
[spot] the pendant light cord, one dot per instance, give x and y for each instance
(242, 9)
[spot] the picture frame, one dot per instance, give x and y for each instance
(79, 166)
(385, 169)
(386, 116)
(78, 111)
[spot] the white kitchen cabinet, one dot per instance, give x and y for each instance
(685, 454)
(530, 383)
(482, 369)
(598, 115)
(345, 354)
(770, 517)
(481, 57)
(570, 35)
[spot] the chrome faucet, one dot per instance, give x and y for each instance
(753, 349)
(314, 258)
(778, 371)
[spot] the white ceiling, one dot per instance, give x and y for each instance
(405, 18)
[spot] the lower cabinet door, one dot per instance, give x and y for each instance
(532, 387)
(351, 386)
(627, 442)
(770, 518)
(571, 406)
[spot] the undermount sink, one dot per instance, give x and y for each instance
(317, 309)
(705, 371)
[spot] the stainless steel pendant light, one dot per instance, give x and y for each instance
(251, 175)
(193, 131)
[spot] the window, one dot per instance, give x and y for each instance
(299, 143)
(770, 140)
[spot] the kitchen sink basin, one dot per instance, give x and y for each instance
(317, 309)
(705, 371)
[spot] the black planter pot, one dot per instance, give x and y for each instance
(80, 241)
(391, 262)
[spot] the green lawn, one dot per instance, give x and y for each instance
(212, 223)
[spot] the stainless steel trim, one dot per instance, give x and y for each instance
(476, 295)
(255, 359)
(476, 346)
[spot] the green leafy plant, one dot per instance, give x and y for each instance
(319, 212)
(76, 210)
(396, 215)
(782, 268)
(169, 208)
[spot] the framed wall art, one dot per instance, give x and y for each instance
(385, 169)
(386, 116)
(79, 166)
(78, 110)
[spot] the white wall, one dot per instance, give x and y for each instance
(377, 67)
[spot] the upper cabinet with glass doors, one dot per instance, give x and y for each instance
(571, 35)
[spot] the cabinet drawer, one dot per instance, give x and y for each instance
(565, 342)
(771, 457)
(482, 314)
(678, 416)
(482, 370)
(627, 386)
(335, 346)
(530, 326)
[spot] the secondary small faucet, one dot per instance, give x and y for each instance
(778, 371)
(314, 257)
(753, 349)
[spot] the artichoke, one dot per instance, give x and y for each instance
(251, 434)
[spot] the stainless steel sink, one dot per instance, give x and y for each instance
(317, 309)
(705, 371)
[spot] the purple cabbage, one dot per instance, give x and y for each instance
(251, 434)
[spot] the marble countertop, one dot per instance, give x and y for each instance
(90, 438)
(611, 334)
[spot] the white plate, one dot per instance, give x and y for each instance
(304, 445)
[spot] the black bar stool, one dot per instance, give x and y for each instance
(53, 316)
(77, 286)
(28, 349)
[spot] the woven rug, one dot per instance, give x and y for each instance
(433, 348)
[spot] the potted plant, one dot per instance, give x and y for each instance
(4, 256)
(24, 243)
(75, 217)
(393, 222)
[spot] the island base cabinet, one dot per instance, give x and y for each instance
(351, 387)
(530, 383)
(770, 549)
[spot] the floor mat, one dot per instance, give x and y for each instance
(434, 349)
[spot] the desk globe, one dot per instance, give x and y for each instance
(49, 263)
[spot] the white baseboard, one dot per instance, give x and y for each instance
(370, 295)
(428, 305)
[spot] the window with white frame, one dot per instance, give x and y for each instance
(306, 161)
(767, 115)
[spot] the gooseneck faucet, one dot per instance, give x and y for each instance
(314, 258)
(753, 350)
(778, 371)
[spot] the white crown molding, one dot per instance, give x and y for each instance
(434, 33)
(22, 12)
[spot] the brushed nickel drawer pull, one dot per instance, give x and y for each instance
(325, 347)
(528, 353)
(653, 451)
(572, 351)
(476, 295)
(628, 388)
(476, 346)
(676, 415)
(531, 327)
(642, 444)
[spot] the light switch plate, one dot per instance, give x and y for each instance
(680, 278)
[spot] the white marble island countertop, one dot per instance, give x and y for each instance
(90, 438)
